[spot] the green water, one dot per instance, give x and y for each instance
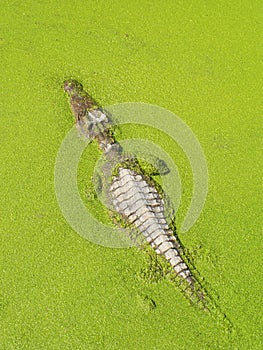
(202, 61)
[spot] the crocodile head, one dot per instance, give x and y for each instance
(72, 87)
(80, 101)
(91, 120)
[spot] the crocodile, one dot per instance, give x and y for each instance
(133, 196)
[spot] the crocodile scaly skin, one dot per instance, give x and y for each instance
(131, 195)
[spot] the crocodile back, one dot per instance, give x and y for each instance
(142, 206)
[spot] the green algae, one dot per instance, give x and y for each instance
(201, 60)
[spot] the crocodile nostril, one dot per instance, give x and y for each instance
(71, 86)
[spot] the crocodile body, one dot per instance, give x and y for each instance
(134, 195)
(131, 195)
